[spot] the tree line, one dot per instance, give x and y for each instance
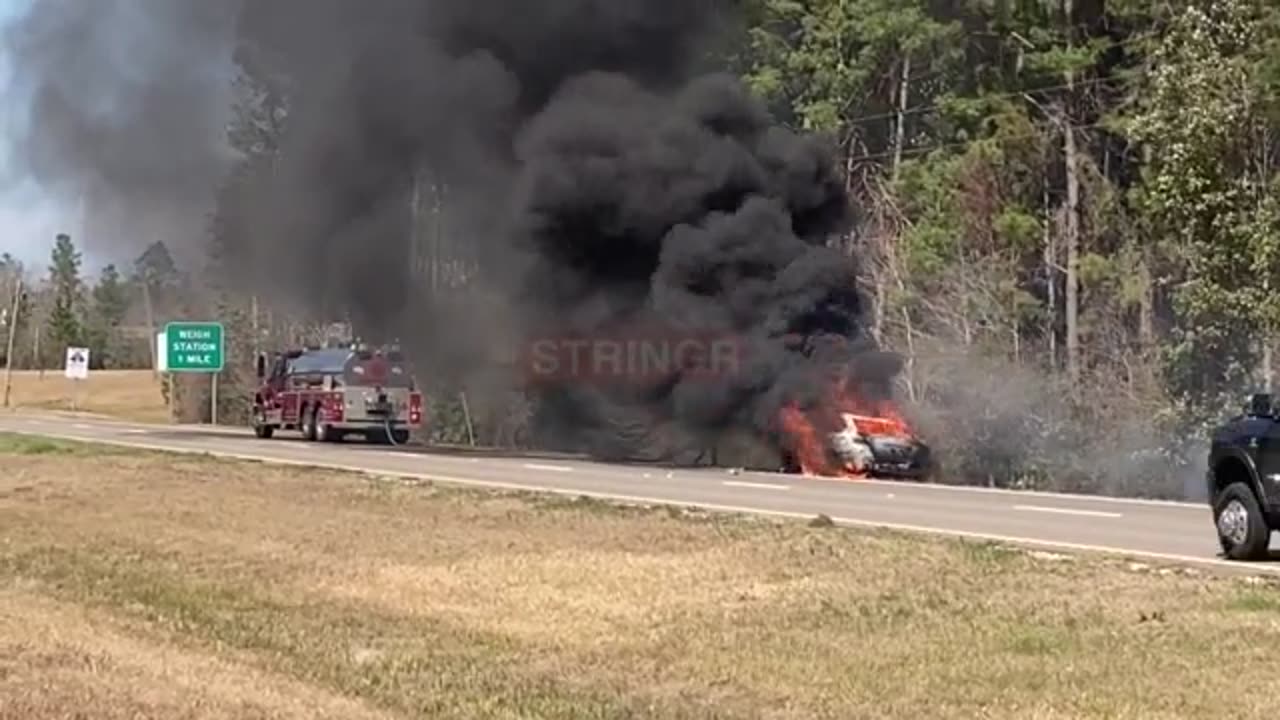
(1067, 222)
(1068, 215)
(48, 309)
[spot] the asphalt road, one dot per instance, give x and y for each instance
(1153, 530)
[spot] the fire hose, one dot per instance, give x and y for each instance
(386, 422)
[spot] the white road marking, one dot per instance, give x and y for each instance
(1256, 568)
(548, 468)
(924, 487)
(82, 426)
(135, 431)
(939, 487)
(1067, 511)
(759, 486)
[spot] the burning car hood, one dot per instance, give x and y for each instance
(899, 457)
(878, 446)
(866, 446)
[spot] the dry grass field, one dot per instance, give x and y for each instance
(124, 394)
(138, 585)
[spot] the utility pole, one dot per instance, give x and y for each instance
(257, 327)
(13, 333)
(151, 322)
(35, 351)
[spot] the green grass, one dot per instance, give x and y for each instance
(1257, 601)
(314, 642)
(16, 444)
(144, 584)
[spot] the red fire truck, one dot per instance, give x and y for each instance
(329, 393)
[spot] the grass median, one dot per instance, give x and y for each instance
(154, 585)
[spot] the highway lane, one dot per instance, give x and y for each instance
(1174, 532)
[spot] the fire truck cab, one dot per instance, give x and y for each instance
(329, 393)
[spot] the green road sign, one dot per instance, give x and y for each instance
(193, 347)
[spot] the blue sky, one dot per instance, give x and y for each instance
(29, 220)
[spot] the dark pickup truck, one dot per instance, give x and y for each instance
(1243, 479)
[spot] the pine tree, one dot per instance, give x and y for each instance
(65, 328)
(110, 303)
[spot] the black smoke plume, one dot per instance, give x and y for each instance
(598, 178)
(696, 213)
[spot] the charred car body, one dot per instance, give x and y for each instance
(1243, 479)
(329, 393)
(868, 446)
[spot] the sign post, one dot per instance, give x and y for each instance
(77, 369)
(194, 347)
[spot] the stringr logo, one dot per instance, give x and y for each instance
(632, 358)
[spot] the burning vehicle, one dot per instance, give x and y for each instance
(845, 436)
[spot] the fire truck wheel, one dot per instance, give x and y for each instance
(317, 429)
(323, 432)
(308, 424)
(260, 426)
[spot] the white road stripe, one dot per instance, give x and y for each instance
(1256, 569)
(1196, 506)
(760, 486)
(82, 426)
(548, 468)
(1067, 511)
(940, 487)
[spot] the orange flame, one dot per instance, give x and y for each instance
(844, 410)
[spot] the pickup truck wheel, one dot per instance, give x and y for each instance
(1243, 532)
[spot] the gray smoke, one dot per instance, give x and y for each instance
(597, 180)
(378, 91)
(125, 106)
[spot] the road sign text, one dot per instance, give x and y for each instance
(193, 347)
